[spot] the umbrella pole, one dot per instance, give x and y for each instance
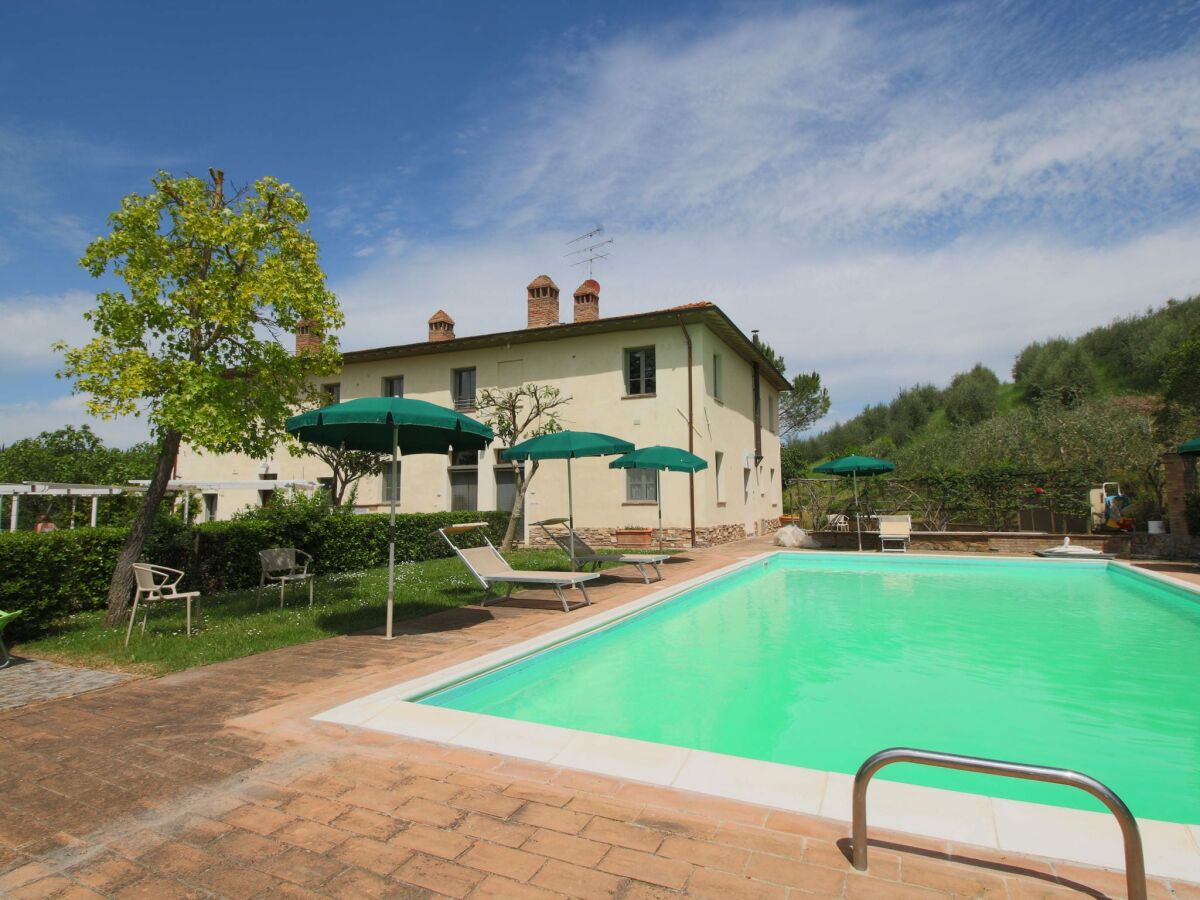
(658, 496)
(857, 511)
(391, 593)
(571, 512)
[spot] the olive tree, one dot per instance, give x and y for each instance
(215, 281)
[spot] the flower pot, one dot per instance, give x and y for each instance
(635, 537)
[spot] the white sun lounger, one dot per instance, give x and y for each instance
(894, 533)
(490, 568)
(585, 554)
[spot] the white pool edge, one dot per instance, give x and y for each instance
(1172, 850)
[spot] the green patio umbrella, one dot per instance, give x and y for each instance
(854, 466)
(390, 424)
(669, 459)
(568, 445)
(1190, 448)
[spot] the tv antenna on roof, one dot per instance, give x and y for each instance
(593, 250)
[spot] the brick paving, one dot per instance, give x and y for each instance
(34, 680)
(215, 782)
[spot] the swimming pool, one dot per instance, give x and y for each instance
(818, 660)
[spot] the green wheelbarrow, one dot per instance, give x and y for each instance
(5, 618)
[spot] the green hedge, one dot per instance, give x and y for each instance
(53, 575)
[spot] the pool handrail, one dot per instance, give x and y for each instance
(1135, 866)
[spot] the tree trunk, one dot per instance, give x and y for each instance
(122, 580)
(518, 504)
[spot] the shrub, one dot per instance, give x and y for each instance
(1192, 512)
(53, 575)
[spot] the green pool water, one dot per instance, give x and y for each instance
(820, 660)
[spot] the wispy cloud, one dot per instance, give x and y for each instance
(846, 125)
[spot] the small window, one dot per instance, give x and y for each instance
(464, 457)
(718, 461)
(463, 388)
(717, 387)
(773, 413)
(391, 491)
(210, 507)
(640, 371)
(333, 392)
(393, 386)
(774, 497)
(641, 486)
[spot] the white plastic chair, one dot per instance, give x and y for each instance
(281, 565)
(837, 522)
(155, 584)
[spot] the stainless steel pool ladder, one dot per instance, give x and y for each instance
(1135, 867)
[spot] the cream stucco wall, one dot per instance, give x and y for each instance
(590, 370)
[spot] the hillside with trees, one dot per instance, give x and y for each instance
(1099, 407)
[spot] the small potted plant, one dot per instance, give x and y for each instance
(632, 536)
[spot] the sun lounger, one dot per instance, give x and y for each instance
(585, 555)
(5, 618)
(894, 533)
(490, 569)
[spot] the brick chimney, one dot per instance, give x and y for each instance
(307, 337)
(543, 302)
(587, 301)
(441, 326)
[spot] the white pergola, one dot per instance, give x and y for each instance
(187, 486)
(57, 489)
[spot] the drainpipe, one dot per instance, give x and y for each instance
(691, 432)
(758, 454)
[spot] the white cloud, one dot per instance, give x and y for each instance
(870, 322)
(32, 322)
(840, 125)
(863, 188)
(27, 419)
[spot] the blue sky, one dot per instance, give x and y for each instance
(890, 192)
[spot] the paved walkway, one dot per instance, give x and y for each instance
(215, 781)
(34, 680)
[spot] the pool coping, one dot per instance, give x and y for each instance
(1172, 850)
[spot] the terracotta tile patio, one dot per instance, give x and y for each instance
(215, 782)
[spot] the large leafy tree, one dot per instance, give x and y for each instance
(515, 415)
(75, 456)
(215, 282)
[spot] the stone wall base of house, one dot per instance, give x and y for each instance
(673, 538)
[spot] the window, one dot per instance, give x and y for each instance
(210, 507)
(774, 496)
(464, 489)
(391, 491)
(333, 392)
(464, 388)
(641, 486)
(716, 375)
(393, 386)
(464, 457)
(773, 413)
(639, 371)
(717, 464)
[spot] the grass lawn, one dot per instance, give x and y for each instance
(239, 623)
